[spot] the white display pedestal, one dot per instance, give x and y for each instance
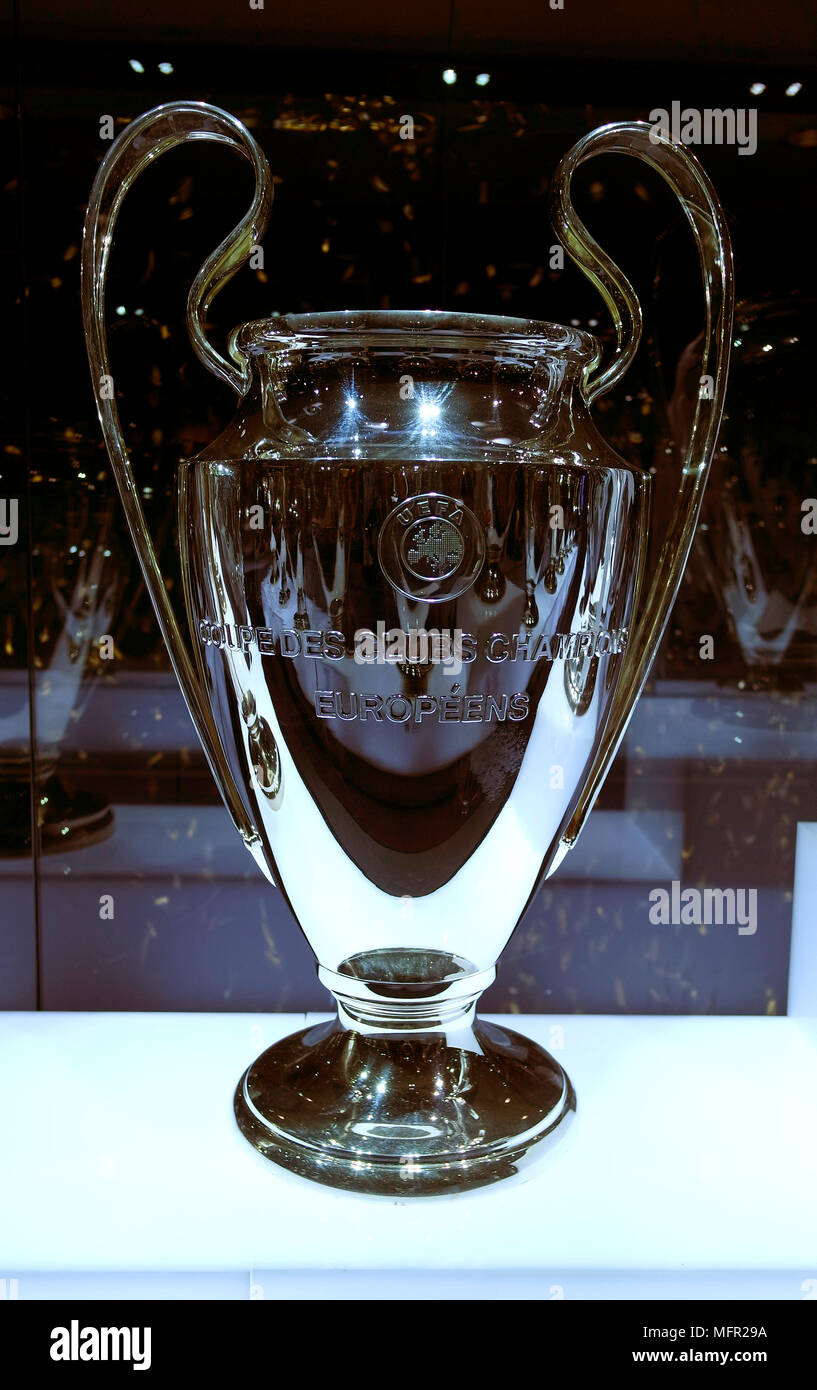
(689, 1172)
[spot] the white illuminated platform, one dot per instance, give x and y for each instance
(689, 1171)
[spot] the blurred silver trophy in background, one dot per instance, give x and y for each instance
(755, 543)
(76, 584)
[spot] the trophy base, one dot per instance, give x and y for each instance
(72, 819)
(414, 1113)
(66, 819)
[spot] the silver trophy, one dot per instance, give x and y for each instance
(413, 579)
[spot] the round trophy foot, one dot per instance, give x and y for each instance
(66, 820)
(408, 1114)
(72, 819)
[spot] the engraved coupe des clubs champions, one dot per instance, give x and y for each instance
(394, 646)
(429, 540)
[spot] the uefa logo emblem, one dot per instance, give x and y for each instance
(431, 547)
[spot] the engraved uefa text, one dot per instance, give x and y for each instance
(431, 547)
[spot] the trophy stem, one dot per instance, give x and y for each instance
(406, 1092)
(406, 991)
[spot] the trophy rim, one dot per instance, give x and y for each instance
(414, 329)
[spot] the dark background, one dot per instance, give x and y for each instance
(455, 219)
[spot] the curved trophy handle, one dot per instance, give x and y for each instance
(688, 180)
(142, 142)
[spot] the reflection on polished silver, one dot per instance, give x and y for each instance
(409, 804)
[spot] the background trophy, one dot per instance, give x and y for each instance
(76, 586)
(412, 572)
(753, 547)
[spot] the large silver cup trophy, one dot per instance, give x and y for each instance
(412, 572)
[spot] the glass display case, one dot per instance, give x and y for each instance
(396, 189)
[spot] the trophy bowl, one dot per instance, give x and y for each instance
(412, 573)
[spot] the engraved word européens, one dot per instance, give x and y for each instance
(475, 708)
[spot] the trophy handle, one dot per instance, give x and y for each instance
(142, 142)
(690, 183)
